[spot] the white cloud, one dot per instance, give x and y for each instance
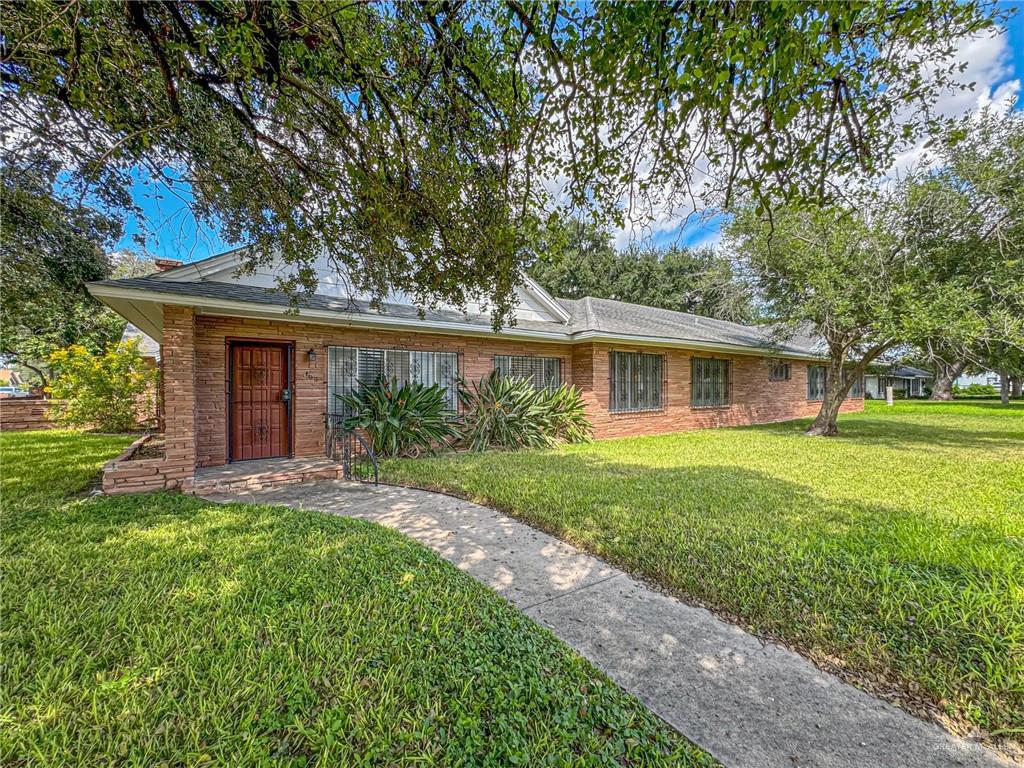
(989, 64)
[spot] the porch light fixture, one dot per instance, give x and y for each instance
(311, 355)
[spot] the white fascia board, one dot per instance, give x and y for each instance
(198, 270)
(229, 308)
(546, 299)
(663, 341)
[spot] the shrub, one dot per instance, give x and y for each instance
(569, 422)
(100, 391)
(501, 412)
(975, 390)
(401, 420)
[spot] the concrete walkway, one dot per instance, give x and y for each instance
(748, 703)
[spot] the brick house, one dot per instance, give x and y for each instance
(245, 375)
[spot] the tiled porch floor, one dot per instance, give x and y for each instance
(264, 473)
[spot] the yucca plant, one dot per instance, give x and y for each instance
(567, 419)
(501, 412)
(401, 420)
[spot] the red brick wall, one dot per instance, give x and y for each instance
(127, 475)
(310, 398)
(178, 368)
(755, 399)
(19, 413)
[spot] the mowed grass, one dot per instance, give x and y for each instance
(894, 552)
(164, 630)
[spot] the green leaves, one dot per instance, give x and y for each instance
(103, 391)
(401, 419)
(509, 413)
(422, 146)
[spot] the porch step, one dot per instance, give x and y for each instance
(256, 474)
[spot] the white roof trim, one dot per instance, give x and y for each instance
(546, 299)
(202, 269)
(234, 308)
(198, 270)
(710, 346)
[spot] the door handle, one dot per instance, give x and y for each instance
(286, 395)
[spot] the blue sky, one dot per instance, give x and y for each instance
(996, 65)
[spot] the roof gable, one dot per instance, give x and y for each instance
(533, 303)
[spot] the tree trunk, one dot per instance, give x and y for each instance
(945, 375)
(824, 424)
(1018, 385)
(43, 378)
(1004, 387)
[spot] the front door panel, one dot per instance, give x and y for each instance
(259, 408)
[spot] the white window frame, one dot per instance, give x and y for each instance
(362, 366)
(542, 372)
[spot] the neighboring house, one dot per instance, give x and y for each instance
(10, 384)
(902, 378)
(147, 404)
(246, 376)
(987, 378)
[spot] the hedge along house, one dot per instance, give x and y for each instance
(246, 375)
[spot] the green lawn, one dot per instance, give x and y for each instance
(894, 552)
(164, 630)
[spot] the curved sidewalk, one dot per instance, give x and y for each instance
(750, 704)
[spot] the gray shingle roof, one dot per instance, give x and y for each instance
(589, 315)
(620, 318)
(909, 372)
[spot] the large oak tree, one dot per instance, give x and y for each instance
(422, 145)
(50, 249)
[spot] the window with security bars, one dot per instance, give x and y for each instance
(709, 382)
(779, 372)
(542, 372)
(351, 368)
(816, 382)
(635, 382)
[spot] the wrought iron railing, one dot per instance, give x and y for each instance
(351, 449)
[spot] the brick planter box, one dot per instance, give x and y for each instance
(126, 474)
(21, 413)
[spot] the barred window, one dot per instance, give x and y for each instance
(779, 372)
(709, 382)
(816, 382)
(635, 382)
(542, 372)
(351, 368)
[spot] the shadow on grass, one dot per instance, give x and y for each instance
(914, 436)
(890, 590)
(158, 627)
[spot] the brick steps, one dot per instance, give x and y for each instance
(256, 475)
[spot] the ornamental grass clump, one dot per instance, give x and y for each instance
(401, 420)
(509, 413)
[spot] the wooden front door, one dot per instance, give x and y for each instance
(260, 419)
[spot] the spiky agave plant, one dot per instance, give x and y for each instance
(509, 413)
(401, 420)
(567, 420)
(501, 412)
